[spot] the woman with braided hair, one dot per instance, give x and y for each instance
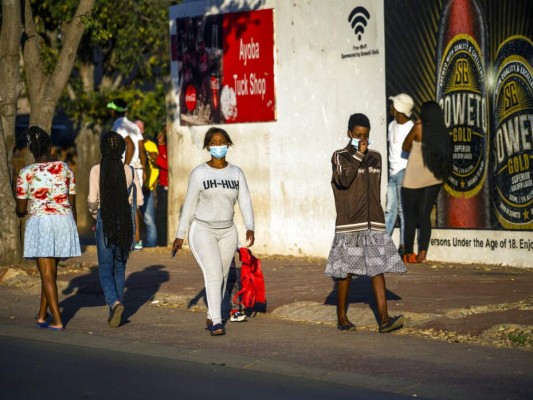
(114, 194)
(51, 233)
(429, 164)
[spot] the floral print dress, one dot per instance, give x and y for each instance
(51, 230)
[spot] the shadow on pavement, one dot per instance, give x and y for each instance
(87, 293)
(141, 287)
(360, 292)
(196, 299)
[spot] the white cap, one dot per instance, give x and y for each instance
(403, 103)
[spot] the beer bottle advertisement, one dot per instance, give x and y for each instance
(513, 134)
(461, 91)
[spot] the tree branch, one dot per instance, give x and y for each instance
(73, 33)
(32, 53)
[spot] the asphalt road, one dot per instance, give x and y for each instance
(32, 369)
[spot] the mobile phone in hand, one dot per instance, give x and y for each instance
(173, 254)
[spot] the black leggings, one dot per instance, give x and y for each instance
(417, 205)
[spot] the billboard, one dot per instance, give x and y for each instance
(474, 57)
(225, 67)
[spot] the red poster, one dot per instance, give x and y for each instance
(247, 90)
(225, 67)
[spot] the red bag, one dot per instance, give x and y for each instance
(252, 281)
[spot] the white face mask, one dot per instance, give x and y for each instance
(218, 151)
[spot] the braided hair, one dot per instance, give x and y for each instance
(115, 209)
(436, 141)
(38, 141)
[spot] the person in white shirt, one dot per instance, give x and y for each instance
(118, 109)
(400, 109)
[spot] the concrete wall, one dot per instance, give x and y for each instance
(287, 162)
(323, 73)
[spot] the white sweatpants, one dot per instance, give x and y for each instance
(214, 250)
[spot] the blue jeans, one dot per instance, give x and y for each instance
(148, 212)
(393, 207)
(111, 267)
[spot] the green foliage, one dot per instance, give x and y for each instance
(519, 338)
(148, 106)
(126, 41)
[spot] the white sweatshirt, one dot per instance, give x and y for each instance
(211, 197)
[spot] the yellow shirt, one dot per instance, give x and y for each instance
(153, 170)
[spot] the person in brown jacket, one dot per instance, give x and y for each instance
(361, 245)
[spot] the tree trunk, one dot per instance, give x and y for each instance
(10, 249)
(44, 90)
(88, 149)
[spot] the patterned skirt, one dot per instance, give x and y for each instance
(51, 236)
(367, 253)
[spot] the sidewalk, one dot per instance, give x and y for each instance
(489, 305)
(468, 332)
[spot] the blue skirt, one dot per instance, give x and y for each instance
(51, 236)
(367, 253)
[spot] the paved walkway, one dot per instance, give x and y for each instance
(467, 303)
(468, 331)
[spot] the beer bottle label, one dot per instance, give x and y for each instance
(513, 134)
(461, 94)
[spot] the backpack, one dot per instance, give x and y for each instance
(252, 281)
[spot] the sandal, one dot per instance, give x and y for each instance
(392, 324)
(55, 328)
(44, 324)
(421, 257)
(348, 327)
(218, 330)
(409, 258)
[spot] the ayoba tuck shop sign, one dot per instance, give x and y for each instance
(248, 81)
(225, 67)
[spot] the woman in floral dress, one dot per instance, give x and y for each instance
(49, 188)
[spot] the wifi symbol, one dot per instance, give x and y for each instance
(358, 17)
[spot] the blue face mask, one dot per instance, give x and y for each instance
(218, 151)
(355, 143)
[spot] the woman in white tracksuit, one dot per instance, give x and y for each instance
(208, 213)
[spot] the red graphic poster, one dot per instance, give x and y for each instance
(247, 92)
(225, 67)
